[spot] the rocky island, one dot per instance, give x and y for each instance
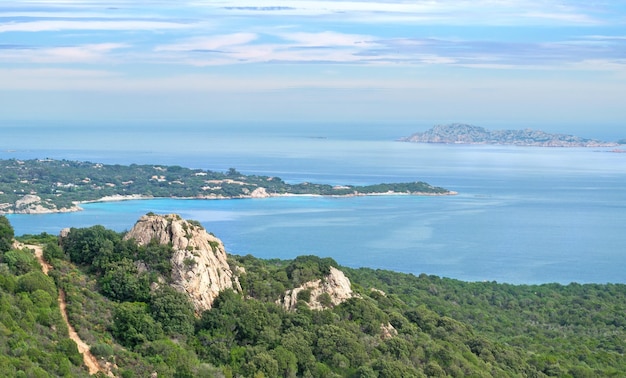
(458, 133)
(50, 186)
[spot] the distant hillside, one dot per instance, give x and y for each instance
(458, 133)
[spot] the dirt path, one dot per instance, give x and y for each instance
(90, 361)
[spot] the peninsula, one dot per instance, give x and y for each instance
(50, 186)
(458, 133)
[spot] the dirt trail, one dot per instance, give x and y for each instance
(90, 361)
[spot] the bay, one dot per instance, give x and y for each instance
(522, 215)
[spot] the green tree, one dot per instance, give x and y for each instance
(173, 310)
(52, 251)
(123, 282)
(6, 235)
(83, 245)
(133, 325)
(180, 359)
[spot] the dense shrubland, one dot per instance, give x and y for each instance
(443, 327)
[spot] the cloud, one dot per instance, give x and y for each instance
(67, 25)
(210, 43)
(449, 12)
(328, 39)
(90, 53)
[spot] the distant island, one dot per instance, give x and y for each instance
(458, 133)
(51, 186)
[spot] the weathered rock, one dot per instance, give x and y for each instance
(335, 284)
(33, 204)
(199, 262)
(387, 331)
(259, 193)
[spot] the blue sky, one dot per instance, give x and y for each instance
(556, 65)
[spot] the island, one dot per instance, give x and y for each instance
(50, 186)
(458, 133)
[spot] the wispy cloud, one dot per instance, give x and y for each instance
(210, 43)
(91, 53)
(455, 12)
(72, 25)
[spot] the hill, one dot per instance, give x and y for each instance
(130, 300)
(458, 133)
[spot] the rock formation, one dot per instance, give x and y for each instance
(33, 204)
(335, 287)
(199, 262)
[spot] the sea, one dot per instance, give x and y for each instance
(522, 215)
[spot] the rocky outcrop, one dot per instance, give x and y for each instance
(327, 292)
(388, 331)
(33, 204)
(458, 133)
(199, 262)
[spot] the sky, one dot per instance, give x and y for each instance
(548, 64)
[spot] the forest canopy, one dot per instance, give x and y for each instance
(397, 325)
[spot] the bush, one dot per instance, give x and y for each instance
(52, 251)
(20, 261)
(70, 349)
(101, 350)
(33, 281)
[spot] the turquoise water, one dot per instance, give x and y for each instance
(523, 215)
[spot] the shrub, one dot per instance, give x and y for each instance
(101, 350)
(33, 281)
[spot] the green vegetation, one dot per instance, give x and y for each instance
(34, 339)
(61, 183)
(409, 326)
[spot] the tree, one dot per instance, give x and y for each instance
(173, 310)
(84, 244)
(133, 325)
(6, 235)
(173, 354)
(123, 282)
(52, 251)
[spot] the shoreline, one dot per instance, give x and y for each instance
(132, 197)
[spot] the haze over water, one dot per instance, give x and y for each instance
(522, 215)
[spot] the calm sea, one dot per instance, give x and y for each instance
(523, 215)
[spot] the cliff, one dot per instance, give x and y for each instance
(199, 262)
(457, 133)
(327, 292)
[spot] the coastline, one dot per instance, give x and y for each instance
(119, 198)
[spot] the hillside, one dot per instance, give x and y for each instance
(126, 299)
(46, 185)
(458, 133)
